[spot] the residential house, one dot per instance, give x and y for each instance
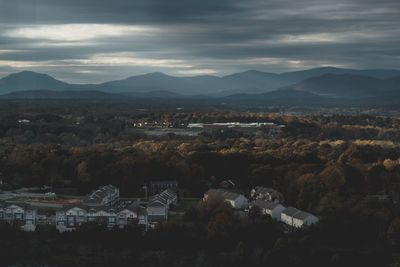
(266, 193)
(134, 213)
(21, 213)
(297, 218)
(70, 217)
(45, 218)
(104, 196)
(103, 216)
(227, 184)
(237, 201)
(158, 205)
(272, 209)
(157, 210)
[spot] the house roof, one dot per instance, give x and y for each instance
(302, 215)
(264, 204)
(227, 182)
(223, 194)
(164, 198)
(66, 208)
(24, 206)
(290, 211)
(134, 208)
(296, 213)
(137, 207)
(97, 196)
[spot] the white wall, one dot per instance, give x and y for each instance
(286, 219)
(277, 211)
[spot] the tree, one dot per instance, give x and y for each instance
(82, 174)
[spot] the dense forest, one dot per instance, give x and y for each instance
(329, 165)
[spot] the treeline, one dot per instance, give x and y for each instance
(309, 173)
(84, 127)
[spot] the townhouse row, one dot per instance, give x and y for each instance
(71, 217)
(99, 207)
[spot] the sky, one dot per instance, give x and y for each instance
(92, 41)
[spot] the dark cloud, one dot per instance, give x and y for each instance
(112, 39)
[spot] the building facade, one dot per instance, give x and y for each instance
(237, 201)
(23, 214)
(159, 205)
(72, 217)
(297, 218)
(272, 209)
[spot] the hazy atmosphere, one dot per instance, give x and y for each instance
(96, 41)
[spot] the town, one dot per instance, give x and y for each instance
(222, 186)
(103, 206)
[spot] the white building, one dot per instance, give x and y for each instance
(158, 205)
(20, 213)
(157, 210)
(297, 218)
(71, 217)
(272, 209)
(237, 201)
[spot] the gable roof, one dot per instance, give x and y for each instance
(302, 215)
(296, 213)
(290, 211)
(264, 204)
(97, 196)
(24, 206)
(165, 197)
(89, 209)
(223, 194)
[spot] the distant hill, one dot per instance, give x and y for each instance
(28, 80)
(328, 89)
(89, 94)
(51, 94)
(297, 76)
(349, 86)
(278, 97)
(251, 81)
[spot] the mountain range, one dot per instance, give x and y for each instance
(313, 86)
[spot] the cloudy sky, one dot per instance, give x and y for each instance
(97, 40)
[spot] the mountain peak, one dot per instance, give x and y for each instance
(156, 74)
(28, 75)
(29, 80)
